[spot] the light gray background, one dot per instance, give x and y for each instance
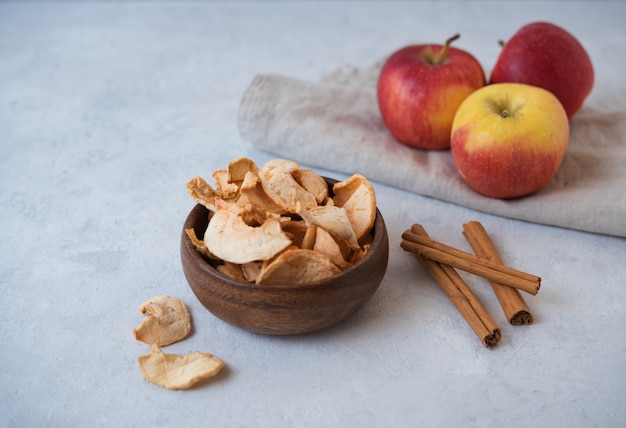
(108, 108)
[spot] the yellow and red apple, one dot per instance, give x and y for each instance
(508, 139)
(420, 88)
(546, 55)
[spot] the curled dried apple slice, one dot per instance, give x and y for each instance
(173, 371)
(232, 270)
(308, 240)
(297, 266)
(198, 244)
(280, 185)
(167, 321)
(202, 192)
(225, 189)
(238, 168)
(252, 189)
(251, 270)
(334, 220)
(312, 183)
(357, 196)
(325, 244)
(232, 240)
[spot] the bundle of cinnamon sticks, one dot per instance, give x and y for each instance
(442, 260)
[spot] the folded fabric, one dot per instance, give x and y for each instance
(335, 124)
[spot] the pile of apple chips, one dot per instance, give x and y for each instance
(279, 224)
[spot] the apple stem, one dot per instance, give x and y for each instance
(442, 53)
(501, 43)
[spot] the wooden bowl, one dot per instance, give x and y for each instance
(283, 310)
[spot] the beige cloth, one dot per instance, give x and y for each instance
(335, 124)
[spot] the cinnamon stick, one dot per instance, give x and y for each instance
(515, 308)
(444, 254)
(463, 299)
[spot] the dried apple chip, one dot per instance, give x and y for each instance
(167, 321)
(173, 371)
(308, 241)
(225, 188)
(334, 220)
(202, 192)
(251, 270)
(312, 183)
(232, 270)
(251, 188)
(238, 168)
(198, 244)
(297, 266)
(280, 185)
(232, 240)
(357, 196)
(326, 244)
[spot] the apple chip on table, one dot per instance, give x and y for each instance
(173, 371)
(279, 223)
(168, 321)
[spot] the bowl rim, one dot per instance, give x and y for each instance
(380, 240)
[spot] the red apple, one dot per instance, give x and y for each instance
(545, 55)
(420, 88)
(508, 139)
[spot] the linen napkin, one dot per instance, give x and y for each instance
(335, 124)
